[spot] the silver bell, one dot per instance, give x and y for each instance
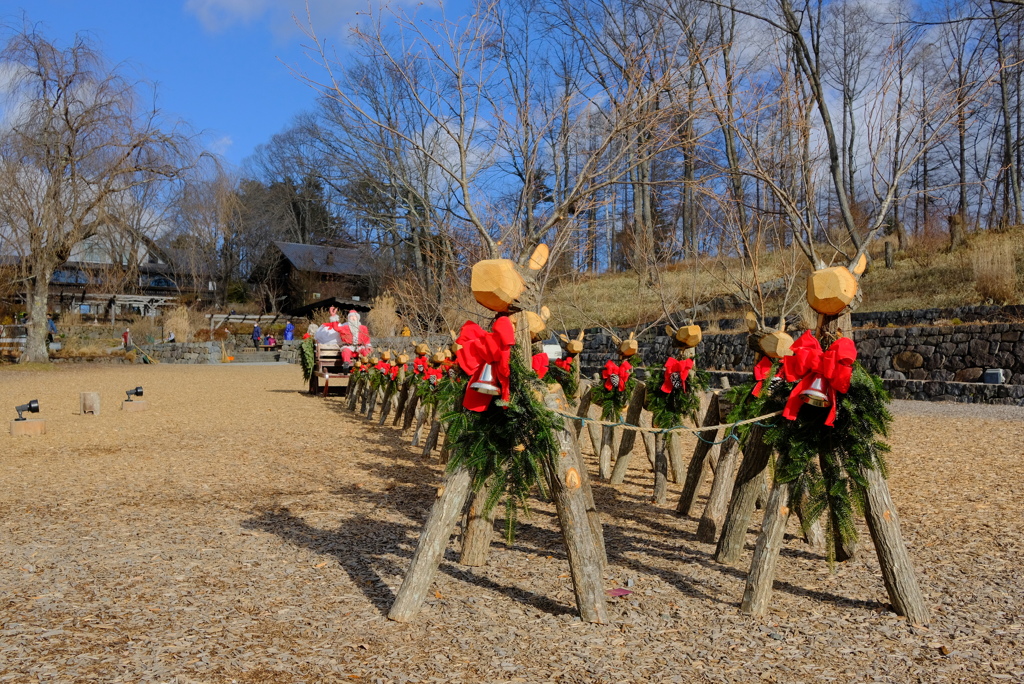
(485, 384)
(815, 394)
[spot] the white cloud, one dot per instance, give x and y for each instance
(282, 15)
(221, 145)
(218, 15)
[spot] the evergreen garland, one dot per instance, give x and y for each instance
(668, 410)
(745, 405)
(832, 482)
(486, 442)
(307, 357)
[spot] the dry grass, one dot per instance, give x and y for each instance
(926, 275)
(184, 323)
(383, 319)
(995, 274)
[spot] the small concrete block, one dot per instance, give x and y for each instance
(135, 406)
(28, 427)
(89, 402)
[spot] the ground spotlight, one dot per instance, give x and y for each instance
(31, 407)
(137, 392)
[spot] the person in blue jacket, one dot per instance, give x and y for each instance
(289, 331)
(257, 335)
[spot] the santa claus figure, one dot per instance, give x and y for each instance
(352, 336)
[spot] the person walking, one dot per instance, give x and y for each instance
(51, 328)
(289, 332)
(257, 335)
(126, 338)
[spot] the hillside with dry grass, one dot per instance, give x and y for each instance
(990, 270)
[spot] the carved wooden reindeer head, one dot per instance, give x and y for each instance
(537, 323)
(385, 355)
(440, 356)
(403, 359)
(573, 347)
(773, 343)
(498, 285)
(831, 290)
(685, 336)
(454, 347)
(628, 346)
(422, 348)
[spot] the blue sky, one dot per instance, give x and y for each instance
(218, 64)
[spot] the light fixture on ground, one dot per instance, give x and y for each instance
(137, 392)
(31, 407)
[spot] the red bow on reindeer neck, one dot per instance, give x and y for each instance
(480, 348)
(540, 364)
(761, 370)
(566, 363)
(621, 373)
(673, 366)
(433, 376)
(808, 361)
(419, 365)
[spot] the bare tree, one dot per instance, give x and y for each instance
(79, 136)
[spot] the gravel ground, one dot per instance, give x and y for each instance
(241, 531)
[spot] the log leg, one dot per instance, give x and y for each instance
(583, 410)
(410, 410)
(365, 399)
(758, 591)
(435, 430)
(751, 478)
(814, 533)
(595, 430)
(568, 443)
(676, 469)
(450, 501)
(354, 393)
(646, 420)
(374, 398)
(897, 569)
(479, 529)
(386, 405)
(421, 417)
(721, 492)
(586, 562)
(695, 471)
(403, 399)
(607, 444)
(660, 468)
(633, 411)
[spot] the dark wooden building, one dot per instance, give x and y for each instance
(291, 276)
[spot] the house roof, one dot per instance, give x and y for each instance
(318, 259)
(343, 304)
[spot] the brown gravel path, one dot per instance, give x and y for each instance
(242, 531)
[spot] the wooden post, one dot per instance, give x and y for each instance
(721, 492)
(403, 399)
(354, 390)
(479, 529)
(897, 569)
(758, 591)
(451, 498)
(583, 409)
(677, 471)
(695, 471)
(435, 430)
(647, 420)
(386, 405)
(750, 479)
(660, 468)
(374, 398)
(421, 417)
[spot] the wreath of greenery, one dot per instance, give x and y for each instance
(668, 410)
(824, 464)
(486, 442)
(612, 401)
(307, 357)
(568, 379)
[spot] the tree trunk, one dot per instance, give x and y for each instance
(897, 569)
(721, 492)
(890, 255)
(35, 340)
(479, 529)
(695, 471)
(957, 232)
(451, 499)
(660, 468)
(750, 479)
(758, 591)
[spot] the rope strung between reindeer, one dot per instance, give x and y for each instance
(640, 428)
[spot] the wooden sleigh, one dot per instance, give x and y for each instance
(328, 365)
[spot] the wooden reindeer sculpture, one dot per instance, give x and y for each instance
(614, 393)
(497, 378)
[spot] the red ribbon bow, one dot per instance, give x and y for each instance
(673, 365)
(622, 371)
(382, 366)
(566, 363)
(480, 348)
(761, 370)
(540, 364)
(808, 361)
(419, 365)
(393, 371)
(433, 375)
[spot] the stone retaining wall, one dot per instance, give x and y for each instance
(191, 352)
